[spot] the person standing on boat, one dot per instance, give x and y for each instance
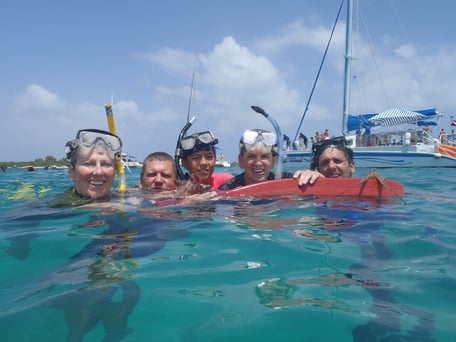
(286, 142)
(258, 152)
(426, 130)
(442, 136)
(367, 137)
(197, 154)
(331, 158)
(358, 136)
(304, 141)
(326, 134)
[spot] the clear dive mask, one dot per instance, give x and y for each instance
(90, 137)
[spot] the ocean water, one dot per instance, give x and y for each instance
(290, 269)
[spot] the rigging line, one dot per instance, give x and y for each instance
(400, 22)
(191, 95)
(371, 49)
(319, 71)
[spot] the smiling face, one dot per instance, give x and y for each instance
(333, 163)
(201, 165)
(257, 163)
(158, 175)
(93, 173)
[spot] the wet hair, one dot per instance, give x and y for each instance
(339, 143)
(157, 156)
(199, 146)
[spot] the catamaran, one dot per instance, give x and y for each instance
(397, 137)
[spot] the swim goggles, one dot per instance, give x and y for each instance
(203, 138)
(252, 136)
(89, 137)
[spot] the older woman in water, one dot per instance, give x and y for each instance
(93, 157)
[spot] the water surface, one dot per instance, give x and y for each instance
(262, 269)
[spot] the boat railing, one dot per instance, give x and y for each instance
(392, 138)
(395, 138)
(448, 139)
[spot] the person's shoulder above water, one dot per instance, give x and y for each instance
(219, 179)
(233, 183)
(70, 198)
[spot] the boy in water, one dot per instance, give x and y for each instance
(197, 153)
(258, 153)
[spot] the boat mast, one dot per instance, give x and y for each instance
(347, 71)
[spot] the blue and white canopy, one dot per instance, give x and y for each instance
(390, 117)
(397, 116)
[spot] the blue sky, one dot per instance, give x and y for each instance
(63, 60)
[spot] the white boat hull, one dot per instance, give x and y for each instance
(133, 164)
(222, 163)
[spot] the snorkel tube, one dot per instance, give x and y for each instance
(177, 154)
(278, 132)
(122, 188)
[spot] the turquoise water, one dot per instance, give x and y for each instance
(289, 269)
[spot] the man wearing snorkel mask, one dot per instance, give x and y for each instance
(197, 154)
(331, 158)
(258, 152)
(93, 155)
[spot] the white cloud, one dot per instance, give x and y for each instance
(37, 97)
(298, 34)
(406, 51)
(174, 61)
(236, 77)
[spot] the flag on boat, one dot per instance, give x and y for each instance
(453, 123)
(397, 116)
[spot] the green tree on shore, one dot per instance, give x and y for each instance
(39, 162)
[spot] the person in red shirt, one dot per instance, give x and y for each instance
(197, 155)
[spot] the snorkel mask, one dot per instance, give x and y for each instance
(203, 141)
(339, 143)
(90, 138)
(258, 136)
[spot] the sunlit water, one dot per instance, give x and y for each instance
(295, 269)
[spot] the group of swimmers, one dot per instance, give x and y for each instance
(94, 156)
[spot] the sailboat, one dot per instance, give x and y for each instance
(396, 137)
(130, 161)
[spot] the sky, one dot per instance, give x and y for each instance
(62, 61)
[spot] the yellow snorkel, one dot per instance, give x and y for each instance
(120, 167)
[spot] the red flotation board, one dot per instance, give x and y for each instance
(358, 187)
